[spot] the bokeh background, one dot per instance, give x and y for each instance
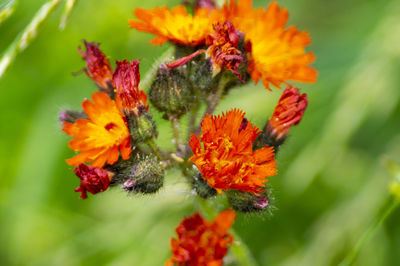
(332, 182)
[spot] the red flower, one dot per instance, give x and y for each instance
(222, 48)
(224, 154)
(126, 80)
(93, 179)
(98, 68)
(288, 112)
(201, 242)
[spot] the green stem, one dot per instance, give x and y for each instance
(193, 119)
(349, 259)
(176, 131)
(153, 146)
(28, 35)
(240, 250)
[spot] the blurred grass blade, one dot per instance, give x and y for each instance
(393, 168)
(6, 10)
(69, 5)
(27, 35)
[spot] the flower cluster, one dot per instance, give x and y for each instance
(201, 242)
(215, 49)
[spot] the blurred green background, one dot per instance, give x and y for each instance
(331, 184)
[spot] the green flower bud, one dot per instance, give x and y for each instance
(243, 201)
(139, 174)
(201, 187)
(142, 127)
(71, 116)
(171, 92)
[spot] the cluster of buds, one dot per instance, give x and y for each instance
(216, 49)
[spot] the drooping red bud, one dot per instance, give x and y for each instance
(288, 112)
(93, 179)
(98, 67)
(126, 80)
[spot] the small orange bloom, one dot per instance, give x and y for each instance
(226, 159)
(98, 66)
(201, 242)
(99, 138)
(126, 80)
(288, 112)
(175, 24)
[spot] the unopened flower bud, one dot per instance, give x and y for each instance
(93, 179)
(71, 116)
(287, 113)
(139, 174)
(98, 67)
(248, 202)
(171, 92)
(201, 187)
(208, 4)
(126, 80)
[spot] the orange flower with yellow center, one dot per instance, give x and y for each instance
(102, 136)
(175, 24)
(224, 154)
(276, 53)
(201, 242)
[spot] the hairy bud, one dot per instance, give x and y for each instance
(139, 174)
(98, 67)
(248, 202)
(71, 116)
(201, 187)
(171, 92)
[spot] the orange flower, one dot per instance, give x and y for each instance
(288, 112)
(175, 25)
(201, 242)
(99, 138)
(276, 53)
(226, 159)
(126, 80)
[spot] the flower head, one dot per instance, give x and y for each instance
(288, 112)
(224, 154)
(98, 67)
(93, 179)
(201, 242)
(175, 24)
(222, 48)
(126, 80)
(101, 136)
(276, 53)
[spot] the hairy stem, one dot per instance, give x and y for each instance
(153, 146)
(350, 258)
(176, 131)
(193, 119)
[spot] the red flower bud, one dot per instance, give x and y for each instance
(288, 112)
(223, 48)
(126, 80)
(98, 67)
(93, 179)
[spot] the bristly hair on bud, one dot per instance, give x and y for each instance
(222, 50)
(288, 112)
(98, 67)
(93, 179)
(126, 80)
